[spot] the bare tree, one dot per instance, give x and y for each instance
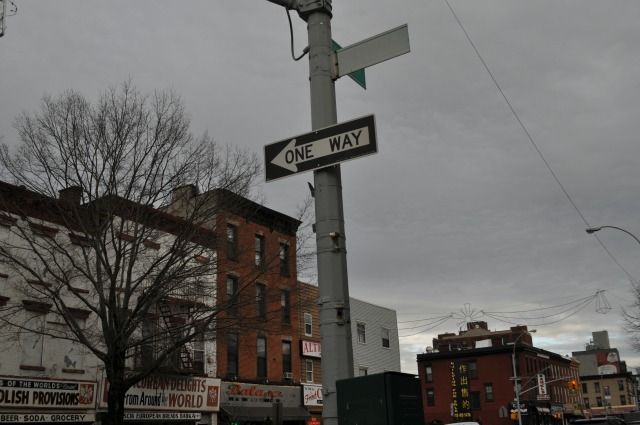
(91, 237)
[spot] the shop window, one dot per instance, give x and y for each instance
(261, 356)
(431, 397)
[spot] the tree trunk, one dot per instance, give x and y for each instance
(117, 392)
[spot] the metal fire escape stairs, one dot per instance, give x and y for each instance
(184, 354)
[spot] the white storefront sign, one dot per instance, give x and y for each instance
(162, 416)
(45, 418)
(172, 393)
(311, 349)
(46, 394)
(312, 395)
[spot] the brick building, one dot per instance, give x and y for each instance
(468, 377)
(607, 386)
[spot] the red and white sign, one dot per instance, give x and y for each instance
(312, 395)
(46, 394)
(311, 349)
(174, 393)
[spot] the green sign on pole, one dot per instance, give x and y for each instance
(357, 76)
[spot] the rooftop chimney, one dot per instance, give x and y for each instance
(71, 195)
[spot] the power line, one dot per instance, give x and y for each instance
(533, 143)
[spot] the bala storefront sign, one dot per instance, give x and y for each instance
(41, 393)
(180, 394)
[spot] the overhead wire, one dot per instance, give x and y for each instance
(632, 280)
(305, 50)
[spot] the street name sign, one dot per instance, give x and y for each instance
(373, 50)
(321, 148)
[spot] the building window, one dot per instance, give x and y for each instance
(607, 390)
(286, 357)
(585, 387)
(232, 242)
(284, 259)
(362, 332)
(620, 385)
(363, 371)
(259, 251)
(308, 371)
(385, 338)
(488, 392)
(286, 307)
(261, 356)
(587, 405)
(623, 399)
(308, 319)
(232, 355)
(474, 400)
(428, 373)
(32, 343)
(472, 370)
(261, 300)
(599, 401)
(431, 397)
(596, 387)
(232, 294)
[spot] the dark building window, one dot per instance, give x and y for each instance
(232, 355)
(431, 397)
(261, 356)
(596, 387)
(474, 399)
(385, 338)
(488, 392)
(259, 251)
(261, 300)
(587, 405)
(428, 373)
(585, 387)
(308, 324)
(472, 368)
(232, 294)
(286, 357)
(286, 307)
(232, 242)
(362, 332)
(623, 399)
(599, 401)
(284, 259)
(620, 385)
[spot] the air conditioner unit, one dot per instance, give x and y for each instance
(288, 375)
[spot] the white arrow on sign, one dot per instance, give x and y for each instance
(292, 155)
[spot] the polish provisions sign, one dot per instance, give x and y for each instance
(175, 393)
(43, 393)
(321, 148)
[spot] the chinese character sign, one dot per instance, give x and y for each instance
(460, 397)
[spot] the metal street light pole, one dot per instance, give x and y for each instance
(591, 230)
(516, 389)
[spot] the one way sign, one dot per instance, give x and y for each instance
(321, 148)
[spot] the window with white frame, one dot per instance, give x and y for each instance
(363, 371)
(361, 330)
(309, 370)
(385, 338)
(308, 322)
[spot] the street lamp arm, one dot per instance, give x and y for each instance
(591, 230)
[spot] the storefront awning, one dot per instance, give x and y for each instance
(246, 413)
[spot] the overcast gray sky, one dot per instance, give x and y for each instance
(457, 207)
